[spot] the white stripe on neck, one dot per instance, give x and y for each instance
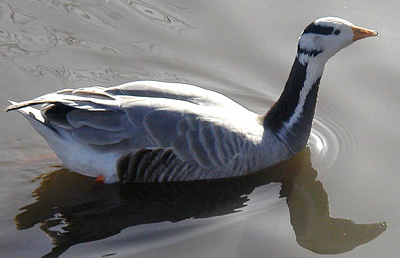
(314, 72)
(303, 58)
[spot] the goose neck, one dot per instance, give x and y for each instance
(290, 118)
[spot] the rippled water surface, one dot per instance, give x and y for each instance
(332, 198)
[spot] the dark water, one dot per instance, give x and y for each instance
(330, 199)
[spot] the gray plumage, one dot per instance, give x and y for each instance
(150, 131)
(203, 133)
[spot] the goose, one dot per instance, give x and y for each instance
(153, 131)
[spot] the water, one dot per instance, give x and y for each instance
(243, 49)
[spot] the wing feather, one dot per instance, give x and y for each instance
(177, 91)
(199, 154)
(185, 119)
(90, 135)
(162, 126)
(207, 140)
(106, 120)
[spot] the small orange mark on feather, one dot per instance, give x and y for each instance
(100, 179)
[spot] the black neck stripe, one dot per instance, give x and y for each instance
(308, 52)
(285, 107)
(318, 29)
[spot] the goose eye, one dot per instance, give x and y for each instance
(337, 32)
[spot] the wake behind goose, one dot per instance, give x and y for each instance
(150, 131)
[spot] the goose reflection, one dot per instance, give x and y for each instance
(70, 207)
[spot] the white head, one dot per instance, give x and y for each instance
(326, 36)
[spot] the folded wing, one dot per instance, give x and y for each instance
(195, 124)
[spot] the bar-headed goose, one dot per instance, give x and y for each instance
(149, 131)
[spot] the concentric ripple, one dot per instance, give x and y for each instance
(330, 142)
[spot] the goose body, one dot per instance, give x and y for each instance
(149, 131)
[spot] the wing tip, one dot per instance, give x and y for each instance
(13, 106)
(17, 105)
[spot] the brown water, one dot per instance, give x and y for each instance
(243, 49)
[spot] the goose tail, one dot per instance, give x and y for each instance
(36, 119)
(26, 110)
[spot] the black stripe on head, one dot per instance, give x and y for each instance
(318, 29)
(312, 53)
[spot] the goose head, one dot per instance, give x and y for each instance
(326, 36)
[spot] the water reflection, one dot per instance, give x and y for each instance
(84, 12)
(70, 207)
(85, 76)
(27, 38)
(112, 13)
(161, 14)
(14, 14)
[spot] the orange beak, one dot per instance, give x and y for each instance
(360, 33)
